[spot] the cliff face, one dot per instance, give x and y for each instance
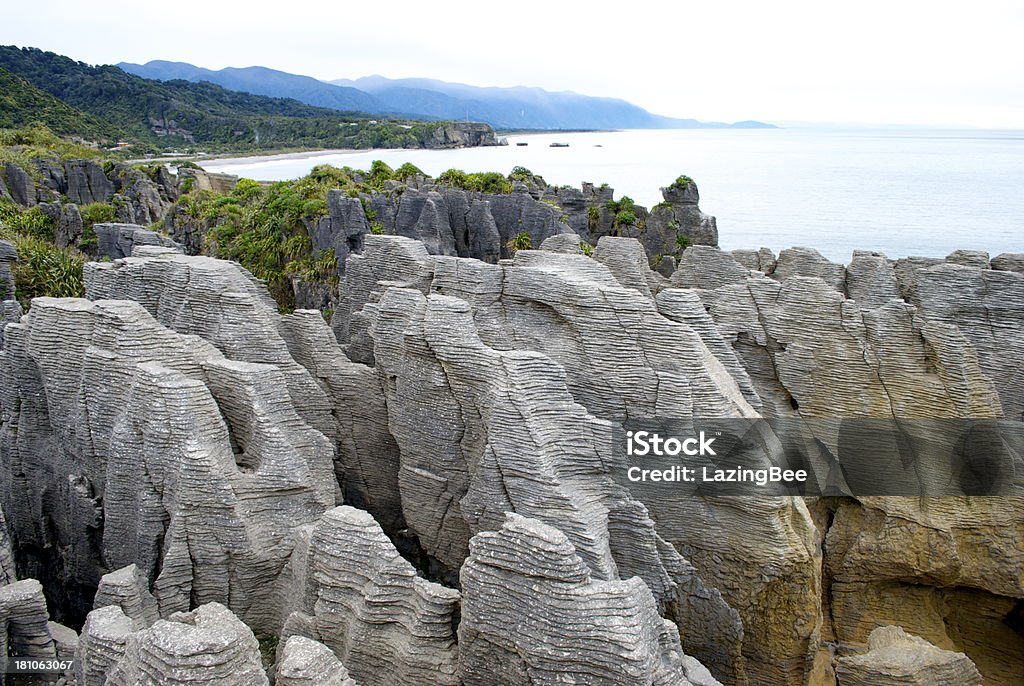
(424, 492)
(136, 197)
(462, 135)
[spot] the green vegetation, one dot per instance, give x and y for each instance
(94, 213)
(623, 211)
(407, 171)
(520, 174)
(587, 248)
(265, 228)
(521, 241)
(25, 145)
(33, 222)
(42, 269)
(107, 104)
(593, 218)
(682, 182)
(682, 242)
(485, 182)
(23, 105)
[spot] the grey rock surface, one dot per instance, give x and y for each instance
(207, 645)
(176, 459)
(532, 613)
(8, 256)
(86, 182)
(128, 589)
(703, 266)
(20, 185)
(871, 280)
(363, 601)
(1008, 262)
(305, 662)
(69, 226)
(117, 241)
(8, 574)
(24, 622)
(10, 312)
(896, 657)
(987, 307)
(810, 263)
(969, 258)
(102, 645)
(812, 353)
(626, 260)
(444, 382)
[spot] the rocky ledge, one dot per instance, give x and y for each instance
(423, 491)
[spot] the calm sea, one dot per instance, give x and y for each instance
(917, 192)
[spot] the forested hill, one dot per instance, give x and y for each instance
(168, 114)
(21, 104)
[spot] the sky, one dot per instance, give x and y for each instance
(874, 62)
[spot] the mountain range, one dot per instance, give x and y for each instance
(106, 104)
(502, 108)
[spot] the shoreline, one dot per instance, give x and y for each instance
(295, 153)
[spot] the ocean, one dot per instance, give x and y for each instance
(900, 192)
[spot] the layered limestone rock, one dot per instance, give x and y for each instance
(305, 662)
(207, 645)
(102, 644)
(678, 221)
(1008, 262)
(812, 353)
(8, 574)
(20, 185)
(451, 221)
(626, 260)
(896, 657)
(150, 448)
(138, 196)
(8, 256)
(354, 593)
(10, 309)
(810, 263)
(987, 306)
(457, 453)
(118, 240)
(707, 267)
(24, 622)
(128, 589)
(533, 614)
(219, 302)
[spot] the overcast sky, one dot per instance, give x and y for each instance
(870, 61)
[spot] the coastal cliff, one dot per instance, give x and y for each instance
(422, 491)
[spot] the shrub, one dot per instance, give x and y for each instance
(376, 228)
(246, 189)
(330, 175)
(485, 182)
(407, 171)
(625, 218)
(379, 173)
(682, 181)
(97, 213)
(520, 174)
(587, 248)
(43, 269)
(454, 177)
(683, 242)
(521, 241)
(593, 218)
